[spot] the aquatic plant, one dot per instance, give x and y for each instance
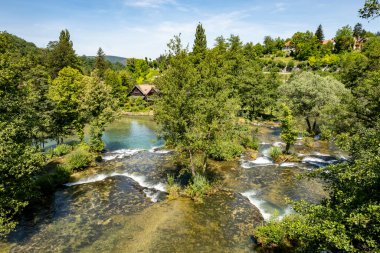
(198, 188)
(275, 153)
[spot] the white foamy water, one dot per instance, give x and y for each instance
(288, 164)
(309, 159)
(141, 180)
(121, 153)
(153, 196)
(158, 150)
(260, 161)
(91, 179)
(261, 205)
(251, 195)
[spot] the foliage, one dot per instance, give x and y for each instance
(196, 108)
(173, 188)
(319, 33)
(275, 153)
(101, 62)
(289, 132)
(200, 44)
(137, 104)
(348, 220)
(344, 39)
(62, 149)
(310, 96)
(49, 181)
(78, 159)
(60, 54)
(198, 188)
(306, 44)
(19, 165)
(371, 9)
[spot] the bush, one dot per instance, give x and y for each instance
(275, 153)
(49, 182)
(308, 142)
(173, 188)
(198, 188)
(225, 150)
(78, 159)
(62, 149)
(251, 143)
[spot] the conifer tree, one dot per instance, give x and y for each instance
(200, 43)
(100, 62)
(319, 33)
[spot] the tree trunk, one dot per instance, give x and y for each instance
(287, 147)
(192, 164)
(309, 129)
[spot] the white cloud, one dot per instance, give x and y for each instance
(149, 3)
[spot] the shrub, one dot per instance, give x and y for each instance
(308, 142)
(198, 188)
(275, 153)
(62, 149)
(49, 182)
(225, 150)
(173, 188)
(251, 143)
(78, 159)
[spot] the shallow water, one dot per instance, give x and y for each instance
(122, 206)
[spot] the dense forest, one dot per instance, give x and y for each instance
(208, 99)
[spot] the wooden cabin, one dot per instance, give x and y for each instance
(144, 90)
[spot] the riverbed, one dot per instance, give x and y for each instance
(122, 206)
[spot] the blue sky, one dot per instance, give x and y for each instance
(139, 28)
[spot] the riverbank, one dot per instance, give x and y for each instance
(148, 113)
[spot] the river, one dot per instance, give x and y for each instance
(121, 206)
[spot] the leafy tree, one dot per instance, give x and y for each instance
(353, 68)
(101, 62)
(65, 93)
(344, 39)
(289, 132)
(305, 44)
(61, 54)
(309, 94)
(97, 108)
(196, 110)
(371, 9)
(319, 33)
(19, 164)
(371, 49)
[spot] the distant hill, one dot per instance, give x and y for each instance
(115, 59)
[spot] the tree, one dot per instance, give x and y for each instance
(97, 108)
(61, 54)
(305, 45)
(200, 43)
(344, 39)
(196, 110)
(308, 95)
(289, 132)
(65, 93)
(371, 9)
(358, 31)
(101, 62)
(319, 33)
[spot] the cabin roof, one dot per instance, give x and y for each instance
(145, 88)
(325, 42)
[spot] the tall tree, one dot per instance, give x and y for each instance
(344, 39)
(200, 43)
(309, 94)
(61, 54)
(319, 33)
(358, 31)
(101, 62)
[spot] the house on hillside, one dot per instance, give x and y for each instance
(144, 90)
(288, 47)
(358, 43)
